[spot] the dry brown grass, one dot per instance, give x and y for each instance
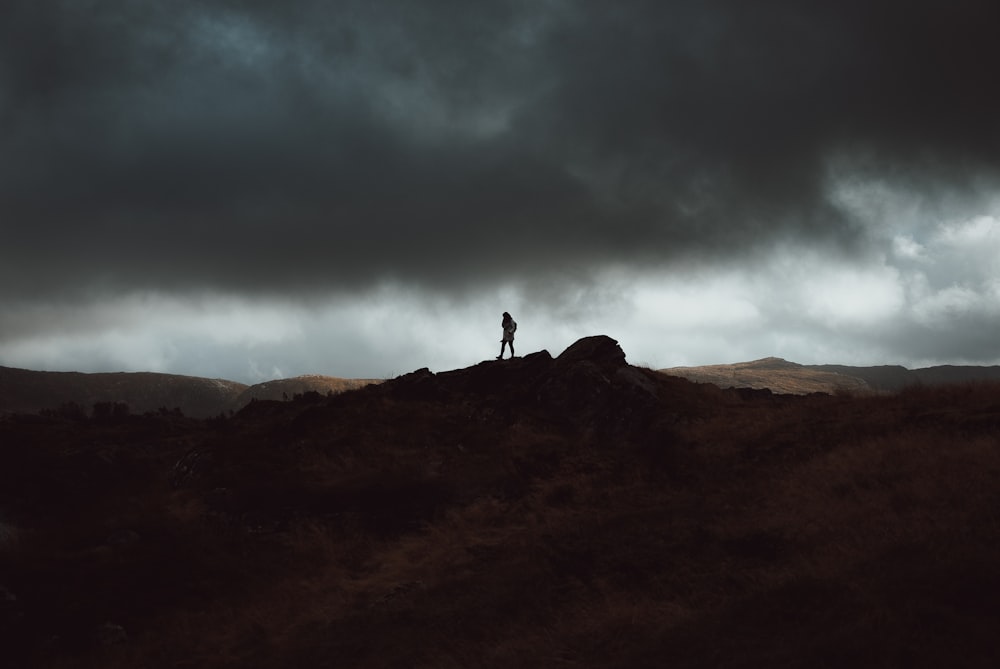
(380, 531)
(774, 374)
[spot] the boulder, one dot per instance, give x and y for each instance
(421, 384)
(601, 350)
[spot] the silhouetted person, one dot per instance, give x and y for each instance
(509, 327)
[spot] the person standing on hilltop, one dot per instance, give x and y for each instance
(509, 327)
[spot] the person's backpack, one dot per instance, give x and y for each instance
(513, 326)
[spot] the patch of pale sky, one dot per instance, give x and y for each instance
(668, 304)
(846, 297)
(972, 246)
(797, 304)
(904, 247)
(973, 232)
(955, 303)
(104, 351)
(258, 375)
(944, 249)
(147, 332)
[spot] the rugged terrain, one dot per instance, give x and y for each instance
(537, 512)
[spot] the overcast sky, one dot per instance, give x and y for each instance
(256, 189)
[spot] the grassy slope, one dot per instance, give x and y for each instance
(778, 375)
(410, 525)
(782, 376)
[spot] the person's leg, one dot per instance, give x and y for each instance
(512, 348)
(503, 346)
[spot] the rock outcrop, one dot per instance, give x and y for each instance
(589, 385)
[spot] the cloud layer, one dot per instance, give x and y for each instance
(304, 153)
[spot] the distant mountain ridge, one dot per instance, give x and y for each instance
(782, 376)
(896, 377)
(27, 391)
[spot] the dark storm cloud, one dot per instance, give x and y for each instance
(276, 146)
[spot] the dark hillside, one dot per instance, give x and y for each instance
(893, 377)
(26, 391)
(881, 377)
(537, 512)
(956, 374)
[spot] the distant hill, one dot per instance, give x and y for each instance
(782, 376)
(894, 377)
(775, 374)
(286, 389)
(27, 391)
